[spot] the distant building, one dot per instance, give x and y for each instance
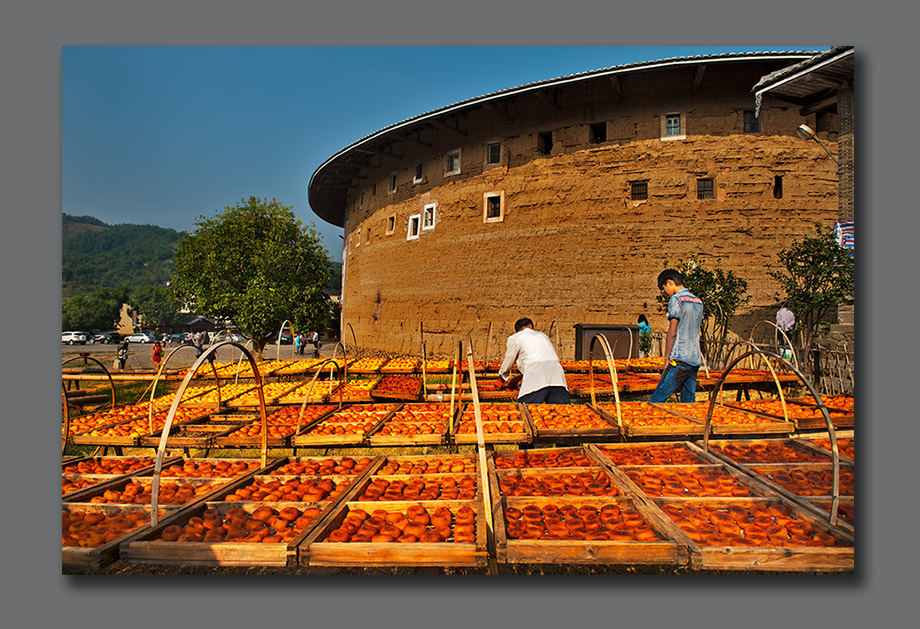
(561, 200)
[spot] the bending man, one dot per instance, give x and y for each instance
(542, 375)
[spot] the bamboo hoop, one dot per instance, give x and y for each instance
(108, 374)
(617, 340)
(811, 389)
(354, 340)
(153, 385)
(785, 336)
(164, 436)
(333, 366)
(280, 332)
(558, 344)
(613, 375)
(424, 369)
(757, 348)
(66, 405)
(488, 343)
(480, 444)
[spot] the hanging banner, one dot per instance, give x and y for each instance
(844, 231)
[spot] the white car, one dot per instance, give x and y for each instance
(139, 337)
(73, 337)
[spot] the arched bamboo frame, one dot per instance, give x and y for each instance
(811, 389)
(156, 379)
(616, 340)
(605, 345)
(488, 343)
(333, 369)
(84, 358)
(354, 341)
(286, 322)
(164, 436)
(558, 344)
(454, 384)
(785, 336)
(750, 356)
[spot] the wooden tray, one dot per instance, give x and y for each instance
(597, 450)
(120, 484)
(492, 438)
(316, 552)
(769, 426)
(376, 439)
(764, 558)
(840, 420)
(688, 429)
(195, 435)
(90, 559)
(305, 439)
(670, 551)
(611, 430)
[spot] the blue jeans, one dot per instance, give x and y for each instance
(546, 395)
(680, 378)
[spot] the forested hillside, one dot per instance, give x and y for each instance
(96, 255)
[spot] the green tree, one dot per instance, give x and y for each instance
(98, 310)
(157, 305)
(817, 276)
(722, 293)
(255, 265)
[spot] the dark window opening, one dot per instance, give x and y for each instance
(493, 153)
(545, 142)
(705, 189)
(494, 208)
(751, 122)
(639, 190)
(418, 172)
(392, 183)
(598, 132)
(778, 187)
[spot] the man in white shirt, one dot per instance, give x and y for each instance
(542, 375)
(785, 321)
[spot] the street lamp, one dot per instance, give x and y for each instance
(807, 133)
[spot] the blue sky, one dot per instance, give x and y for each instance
(163, 135)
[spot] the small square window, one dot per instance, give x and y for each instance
(545, 142)
(778, 187)
(419, 173)
(493, 153)
(672, 124)
(391, 224)
(639, 191)
(452, 163)
(392, 187)
(751, 122)
(493, 207)
(415, 222)
(428, 216)
(705, 188)
(598, 132)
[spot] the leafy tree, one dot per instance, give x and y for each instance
(817, 276)
(722, 293)
(99, 310)
(157, 305)
(256, 265)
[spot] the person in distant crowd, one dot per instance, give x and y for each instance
(198, 341)
(157, 354)
(682, 343)
(121, 356)
(645, 330)
(542, 380)
(316, 344)
(298, 343)
(785, 321)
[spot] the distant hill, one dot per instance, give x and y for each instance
(96, 255)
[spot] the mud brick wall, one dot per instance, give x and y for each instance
(573, 248)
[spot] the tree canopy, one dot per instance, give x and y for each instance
(98, 310)
(256, 265)
(157, 305)
(817, 276)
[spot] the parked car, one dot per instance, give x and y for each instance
(107, 337)
(182, 338)
(286, 339)
(73, 337)
(139, 337)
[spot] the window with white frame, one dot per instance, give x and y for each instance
(452, 163)
(391, 224)
(493, 153)
(672, 127)
(419, 173)
(493, 207)
(415, 222)
(428, 216)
